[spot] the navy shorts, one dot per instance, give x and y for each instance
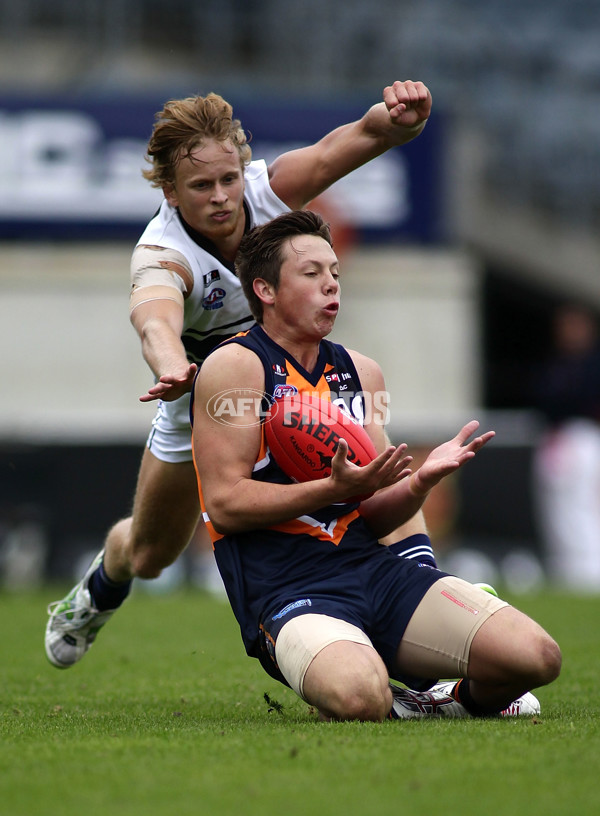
(378, 595)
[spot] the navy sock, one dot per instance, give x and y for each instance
(462, 693)
(417, 547)
(107, 594)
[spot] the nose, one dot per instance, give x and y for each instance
(219, 193)
(331, 284)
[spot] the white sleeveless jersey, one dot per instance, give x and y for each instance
(216, 308)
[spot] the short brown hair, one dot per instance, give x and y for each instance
(182, 125)
(260, 253)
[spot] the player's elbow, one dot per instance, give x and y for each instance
(222, 527)
(223, 516)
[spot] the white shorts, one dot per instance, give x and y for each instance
(170, 439)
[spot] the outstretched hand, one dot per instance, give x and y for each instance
(170, 387)
(448, 457)
(386, 469)
(408, 103)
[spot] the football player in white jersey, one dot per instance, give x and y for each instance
(185, 299)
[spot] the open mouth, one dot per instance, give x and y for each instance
(221, 216)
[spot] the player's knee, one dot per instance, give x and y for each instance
(149, 559)
(145, 569)
(542, 662)
(548, 660)
(367, 700)
(142, 557)
(514, 649)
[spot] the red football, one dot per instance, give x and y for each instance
(303, 432)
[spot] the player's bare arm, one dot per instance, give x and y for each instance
(159, 322)
(392, 507)
(300, 175)
(161, 279)
(373, 382)
(226, 452)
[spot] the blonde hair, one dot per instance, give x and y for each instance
(183, 125)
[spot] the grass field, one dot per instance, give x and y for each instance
(166, 715)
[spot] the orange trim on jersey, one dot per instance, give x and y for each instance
(322, 387)
(214, 536)
(334, 532)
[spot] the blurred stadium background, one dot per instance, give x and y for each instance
(457, 248)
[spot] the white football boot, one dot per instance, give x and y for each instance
(439, 702)
(74, 623)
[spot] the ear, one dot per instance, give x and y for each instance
(170, 194)
(264, 291)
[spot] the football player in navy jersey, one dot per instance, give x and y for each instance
(320, 602)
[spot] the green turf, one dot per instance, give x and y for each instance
(166, 715)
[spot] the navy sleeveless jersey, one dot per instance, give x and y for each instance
(314, 558)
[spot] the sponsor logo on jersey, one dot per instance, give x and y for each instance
(278, 369)
(211, 277)
(332, 377)
(214, 300)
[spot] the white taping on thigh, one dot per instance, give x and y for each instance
(303, 637)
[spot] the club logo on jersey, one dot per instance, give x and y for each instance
(278, 369)
(282, 391)
(211, 277)
(214, 300)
